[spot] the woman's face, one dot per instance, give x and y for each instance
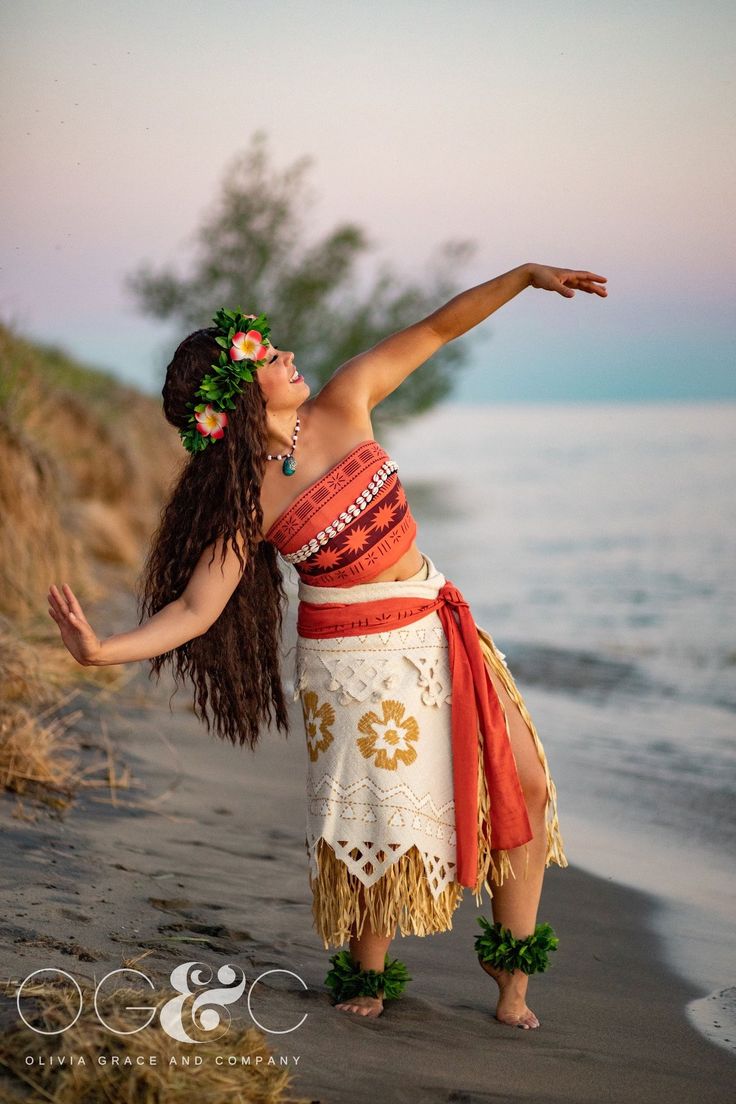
(282, 385)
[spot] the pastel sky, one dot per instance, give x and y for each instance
(596, 135)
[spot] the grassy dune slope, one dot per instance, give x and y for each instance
(85, 465)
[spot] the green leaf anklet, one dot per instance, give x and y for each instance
(500, 948)
(347, 980)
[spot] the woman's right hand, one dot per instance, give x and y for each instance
(76, 631)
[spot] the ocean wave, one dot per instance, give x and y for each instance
(570, 669)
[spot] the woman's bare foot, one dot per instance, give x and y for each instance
(512, 1007)
(363, 1006)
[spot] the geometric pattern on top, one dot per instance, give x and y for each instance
(344, 519)
(349, 525)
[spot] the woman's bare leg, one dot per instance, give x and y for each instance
(516, 902)
(369, 951)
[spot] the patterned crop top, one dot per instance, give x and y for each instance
(351, 524)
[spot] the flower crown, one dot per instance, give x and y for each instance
(243, 350)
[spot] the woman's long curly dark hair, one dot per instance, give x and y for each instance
(235, 665)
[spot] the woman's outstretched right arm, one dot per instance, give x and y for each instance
(205, 597)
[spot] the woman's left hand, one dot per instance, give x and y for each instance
(565, 280)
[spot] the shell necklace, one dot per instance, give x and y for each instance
(289, 465)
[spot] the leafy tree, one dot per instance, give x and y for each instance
(251, 254)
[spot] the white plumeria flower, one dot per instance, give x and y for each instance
(248, 346)
(210, 422)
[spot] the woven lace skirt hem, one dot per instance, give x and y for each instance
(401, 901)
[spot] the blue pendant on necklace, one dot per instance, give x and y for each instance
(289, 465)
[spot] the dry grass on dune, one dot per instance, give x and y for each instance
(35, 544)
(39, 751)
(37, 759)
(166, 1082)
(85, 465)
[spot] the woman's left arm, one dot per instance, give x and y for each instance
(470, 307)
(366, 379)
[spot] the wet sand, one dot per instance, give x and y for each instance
(213, 850)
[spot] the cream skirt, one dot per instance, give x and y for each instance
(380, 810)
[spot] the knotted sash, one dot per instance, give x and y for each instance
(474, 703)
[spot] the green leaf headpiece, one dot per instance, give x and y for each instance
(244, 340)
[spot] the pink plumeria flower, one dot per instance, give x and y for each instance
(211, 423)
(248, 346)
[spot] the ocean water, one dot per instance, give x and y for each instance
(596, 544)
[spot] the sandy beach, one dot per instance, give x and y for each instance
(208, 846)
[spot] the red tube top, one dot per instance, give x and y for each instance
(351, 524)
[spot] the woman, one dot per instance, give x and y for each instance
(425, 771)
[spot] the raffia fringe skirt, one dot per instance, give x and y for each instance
(380, 810)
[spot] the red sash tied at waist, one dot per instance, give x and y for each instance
(475, 704)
